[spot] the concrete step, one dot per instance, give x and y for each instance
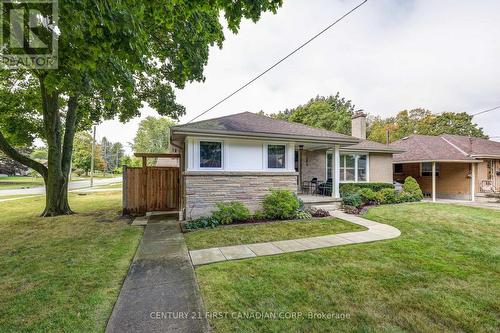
(328, 207)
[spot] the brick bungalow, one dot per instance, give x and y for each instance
(241, 156)
(449, 166)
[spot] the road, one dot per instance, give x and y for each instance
(72, 186)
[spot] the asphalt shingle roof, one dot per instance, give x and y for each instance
(254, 123)
(443, 148)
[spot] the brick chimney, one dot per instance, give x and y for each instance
(358, 128)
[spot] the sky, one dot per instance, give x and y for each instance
(388, 56)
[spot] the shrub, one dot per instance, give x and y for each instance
(280, 204)
(351, 210)
(302, 215)
(301, 202)
(353, 200)
(387, 196)
(318, 212)
(411, 190)
(228, 212)
(367, 195)
(202, 222)
(351, 188)
(406, 197)
(259, 215)
(347, 189)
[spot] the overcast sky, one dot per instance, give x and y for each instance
(388, 56)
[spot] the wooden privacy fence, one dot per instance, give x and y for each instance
(147, 189)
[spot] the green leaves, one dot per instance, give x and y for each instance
(424, 122)
(153, 135)
(331, 113)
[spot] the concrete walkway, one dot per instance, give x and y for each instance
(160, 292)
(376, 231)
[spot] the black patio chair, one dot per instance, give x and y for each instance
(325, 188)
(307, 185)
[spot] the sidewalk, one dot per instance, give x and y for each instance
(376, 231)
(160, 292)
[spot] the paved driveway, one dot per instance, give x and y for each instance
(72, 186)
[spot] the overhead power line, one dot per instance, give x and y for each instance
(484, 111)
(278, 62)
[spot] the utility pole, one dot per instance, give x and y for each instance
(92, 161)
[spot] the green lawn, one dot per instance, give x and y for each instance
(63, 274)
(441, 275)
(266, 232)
(15, 182)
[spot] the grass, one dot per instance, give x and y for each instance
(17, 196)
(17, 182)
(63, 274)
(113, 185)
(441, 275)
(266, 232)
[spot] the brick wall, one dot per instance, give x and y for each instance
(203, 190)
(452, 183)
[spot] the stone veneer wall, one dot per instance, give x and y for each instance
(204, 189)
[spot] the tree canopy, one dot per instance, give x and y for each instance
(153, 135)
(114, 58)
(332, 113)
(424, 122)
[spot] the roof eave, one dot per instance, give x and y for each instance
(373, 150)
(186, 132)
(437, 161)
(486, 156)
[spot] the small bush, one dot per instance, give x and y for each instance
(259, 215)
(301, 202)
(411, 190)
(229, 212)
(202, 222)
(406, 197)
(280, 204)
(351, 210)
(387, 196)
(302, 215)
(367, 196)
(318, 212)
(348, 189)
(353, 200)
(351, 188)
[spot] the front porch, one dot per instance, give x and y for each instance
(318, 167)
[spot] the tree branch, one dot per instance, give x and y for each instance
(16, 156)
(69, 134)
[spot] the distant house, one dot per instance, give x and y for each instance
(241, 156)
(449, 166)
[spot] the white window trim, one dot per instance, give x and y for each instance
(198, 154)
(266, 156)
(356, 157)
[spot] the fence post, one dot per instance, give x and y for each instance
(124, 190)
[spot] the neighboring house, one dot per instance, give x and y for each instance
(463, 167)
(241, 156)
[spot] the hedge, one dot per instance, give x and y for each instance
(350, 188)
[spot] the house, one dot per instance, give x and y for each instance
(449, 166)
(241, 156)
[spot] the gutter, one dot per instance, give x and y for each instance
(438, 161)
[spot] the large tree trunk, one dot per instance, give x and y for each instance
(59, 152)
(60, 148)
